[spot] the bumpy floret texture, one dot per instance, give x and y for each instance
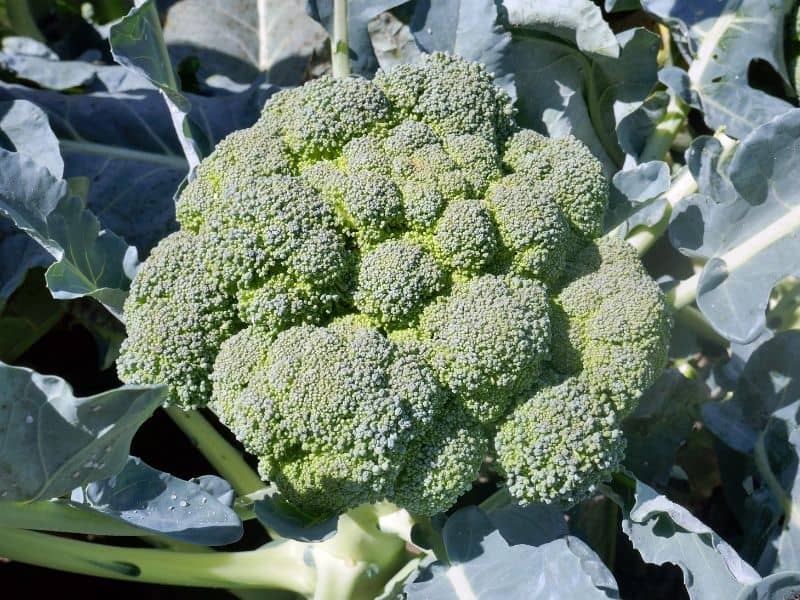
(380, 283)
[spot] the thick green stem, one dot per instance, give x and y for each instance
(340, 54)
(761, 460)
(223, 457)
(358, 561)
(660, 141)
(276, 565)
(65, 517)
(643, 238)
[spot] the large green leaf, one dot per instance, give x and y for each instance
(664, 532)
(159, 502)
(749, 240)
(51, 441)
(512, 552)
(89, 261)
(238, 39)
(722, 39)
(137, 42)
(563, 91)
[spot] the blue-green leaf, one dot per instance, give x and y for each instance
(137, 42)
(359, 14)
(275, 36)
(665, 532)
(779, 586)
(51, 441)
(89, 261)
(290, 522)
(467, 28)
(660, 424)
(579, 22)
(722, 39)
(125, 145)
(770, 381)
(159, 502)
(563, 91)
(750, 240)
(491, 556)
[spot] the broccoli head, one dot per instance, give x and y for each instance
(381, 283)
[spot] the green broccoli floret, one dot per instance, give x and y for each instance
(612, 323)
(337, 414)
(558, 445)
(380, 282)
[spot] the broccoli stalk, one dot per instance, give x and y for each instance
(356, 563)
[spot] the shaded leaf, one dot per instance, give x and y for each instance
(137, 42)
(125, 145)
(563, 91)
(665, 532)
(770, 381)
(89, 262)
(240, 38)
(51, 441)
(467, 28)
(29, 314)
(290, 522)
(161, 503)
(392, 41)
(660, 424)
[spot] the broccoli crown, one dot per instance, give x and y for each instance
(381, 282)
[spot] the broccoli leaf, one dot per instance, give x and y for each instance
(770, 380)
(660, 424)
(289, 522)
(51, 441)
(579, 22)
(777, 585)
(564, 91)
(124, 144)
(665, 532)
(90, 262)
(467, 28)
(750, 240)
(29, 314)
(276, 36)
(23, 128)
(512, 552)
(159, 502)
(720, 40)
(392, 41)
(30, 60)
(137, 42)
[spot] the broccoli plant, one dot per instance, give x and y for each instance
(411, 316)
(380, 281)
